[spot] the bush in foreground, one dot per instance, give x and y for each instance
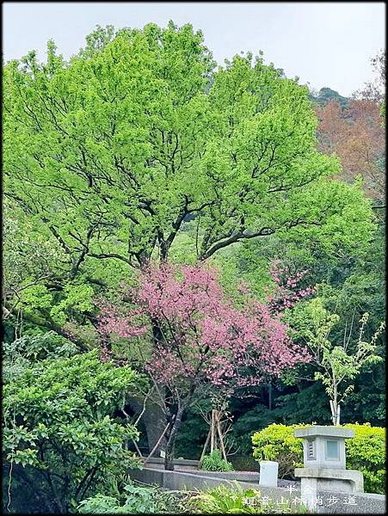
(61, 441)
(134, 500)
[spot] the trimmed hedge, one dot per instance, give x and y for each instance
(277, 442)
(365, 452)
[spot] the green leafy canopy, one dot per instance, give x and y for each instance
(114, 149)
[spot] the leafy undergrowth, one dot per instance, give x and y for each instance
(215, 462)
(137, 499)
(237, 500)
(223, 499)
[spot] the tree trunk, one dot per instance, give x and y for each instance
(335, 410)
(170, 447)
(220, 436)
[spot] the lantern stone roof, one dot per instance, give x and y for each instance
(324, 431)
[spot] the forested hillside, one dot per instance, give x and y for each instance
(179, 237)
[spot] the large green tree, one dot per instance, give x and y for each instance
(113, 149)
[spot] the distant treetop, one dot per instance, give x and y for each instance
(325, 95)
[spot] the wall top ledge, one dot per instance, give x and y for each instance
(345, 474)
(324, 431)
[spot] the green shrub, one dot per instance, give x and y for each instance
(99, 504)
(60, 434)
(365, 452)
(277, 442)
(244, 463)
(215, 462)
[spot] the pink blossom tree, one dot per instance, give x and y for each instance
(201, 342)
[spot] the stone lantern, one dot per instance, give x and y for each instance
(325, 463)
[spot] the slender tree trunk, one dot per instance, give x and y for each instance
(335, 408)
(204, 448)
(220, 436)
(170, 447)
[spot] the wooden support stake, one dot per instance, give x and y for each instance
(221, 439)
(137, 448)
(212, 442)
(205, 447)
(157, 444)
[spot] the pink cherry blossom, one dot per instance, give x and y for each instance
(200, 338)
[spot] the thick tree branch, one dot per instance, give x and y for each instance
(111, 255)
(235, 237)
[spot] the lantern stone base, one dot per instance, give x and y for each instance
(316, 480)
(327, 479)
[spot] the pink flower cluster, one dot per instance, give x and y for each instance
(288, 291)
(202, 338)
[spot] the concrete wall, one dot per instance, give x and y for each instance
(331, 502)
(351, 503)
(177, 462)
(184, 466)
(182, 481)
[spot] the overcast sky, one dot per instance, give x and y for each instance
(325, 44)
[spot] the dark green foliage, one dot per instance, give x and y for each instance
(192, 435)
(367, 402)
(244, 463)
(306, 406)
(325, 95)
(249, 422)
(59, 438)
